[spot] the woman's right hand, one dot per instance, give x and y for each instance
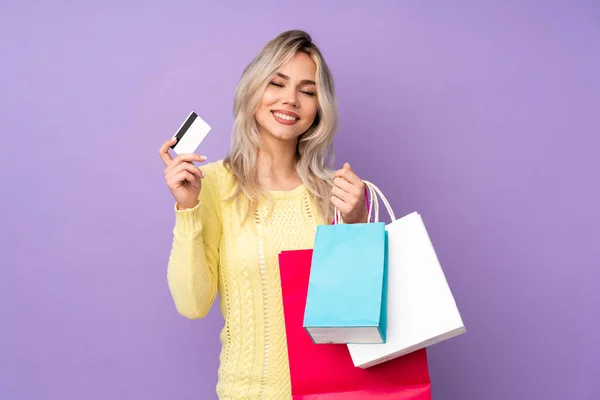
(182, 176)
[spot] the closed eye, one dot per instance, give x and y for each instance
(302, 91)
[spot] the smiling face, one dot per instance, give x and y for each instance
(289, 103)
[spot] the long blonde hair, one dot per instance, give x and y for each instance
(315, 146)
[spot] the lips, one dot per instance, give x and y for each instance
(285, 117)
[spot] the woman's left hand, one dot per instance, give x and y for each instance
(348, 195)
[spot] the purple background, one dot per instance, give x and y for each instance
(483, 117)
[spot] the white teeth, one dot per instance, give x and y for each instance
(286, 117)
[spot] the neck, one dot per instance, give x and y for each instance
(276, 166)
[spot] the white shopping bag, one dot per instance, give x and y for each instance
(421, 309)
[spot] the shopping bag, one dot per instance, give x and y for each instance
(421, 309)
(326, 371)
(346, 301)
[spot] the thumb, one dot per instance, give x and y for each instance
(347, 166)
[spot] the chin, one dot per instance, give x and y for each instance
(284, 135)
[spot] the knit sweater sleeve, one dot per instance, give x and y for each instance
(192, 271)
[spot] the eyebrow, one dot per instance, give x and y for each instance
(304, 82)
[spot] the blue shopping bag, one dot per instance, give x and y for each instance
(347, 290)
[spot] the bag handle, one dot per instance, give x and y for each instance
(374, 192)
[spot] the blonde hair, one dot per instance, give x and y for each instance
(314, 155)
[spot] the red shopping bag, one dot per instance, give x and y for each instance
(326, 371)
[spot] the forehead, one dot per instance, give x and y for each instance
(301, 67)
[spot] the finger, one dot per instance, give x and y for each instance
(348, 175)
(189, 157)
(345, 167)
(351, 200)
(346, 186)
(187, 167)
(186, 158)
(340, 204)
(183, 176)
(163, 152)
(341, 194)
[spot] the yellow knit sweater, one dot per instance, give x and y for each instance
(212, 251)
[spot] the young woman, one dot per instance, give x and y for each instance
(234, 216)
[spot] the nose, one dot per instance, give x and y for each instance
(291, 98)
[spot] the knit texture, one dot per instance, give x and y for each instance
(212, 251)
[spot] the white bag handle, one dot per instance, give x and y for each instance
(373, 205)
